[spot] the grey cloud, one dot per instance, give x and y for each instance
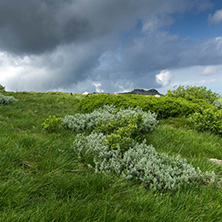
(34, 27)
(66, 40)
(143, 58)
(162, 50)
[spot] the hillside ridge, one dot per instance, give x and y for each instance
(150, 92)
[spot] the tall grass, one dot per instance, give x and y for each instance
(42, 179)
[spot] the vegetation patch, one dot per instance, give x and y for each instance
(164, 106)
(116, 145)
(42, 178)
(208, 119)
(107, 116)
(193, 93)
(52, 124)
(6, 100)
(141, 162)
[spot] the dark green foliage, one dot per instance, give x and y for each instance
(208, 119)
(193, 93)
(2, 88)
(164, 107)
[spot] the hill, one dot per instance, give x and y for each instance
(151, 92)
(42, 178)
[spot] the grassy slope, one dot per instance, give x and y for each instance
(41, 179)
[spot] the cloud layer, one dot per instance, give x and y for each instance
(96, 45)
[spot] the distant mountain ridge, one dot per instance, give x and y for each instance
(151, 92)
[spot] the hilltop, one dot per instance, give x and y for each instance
(150, 92)
(43, 179)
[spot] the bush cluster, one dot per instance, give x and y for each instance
(87, 122)
(193, 93)
(106, 116)
(208, 119)
(122, 131)
(2, 88)
(52, 124)
(140, 162)
(164, 107)
(116, 145)
(6, 100)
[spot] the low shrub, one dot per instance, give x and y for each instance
(140, 162)
(193, 93)
(218, 103)
(208, 119)
(52, 124)
(87, 122)
(122, 132)
(164, 107)
(2, 88)
(106, 116)
(6, 100)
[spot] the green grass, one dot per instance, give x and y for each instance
(42, 179)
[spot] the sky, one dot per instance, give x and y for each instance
(110, 46)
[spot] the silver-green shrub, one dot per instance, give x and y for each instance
(157, 171)
(218, 103)
(6, 100)
(81, 122)
(149, 120)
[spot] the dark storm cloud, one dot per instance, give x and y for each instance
(75, 42)
(38, 26)
(31, 26)
(162, 51)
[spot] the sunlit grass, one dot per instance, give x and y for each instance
(42, 179)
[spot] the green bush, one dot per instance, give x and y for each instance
(208, 119)
(164, 107)
(2, 88)
(122, 132)
(52, 124)
(89, 121)
(6, 100)
(122, 127)
(193, 93)
(140, 162)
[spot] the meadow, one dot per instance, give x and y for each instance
(42, 178)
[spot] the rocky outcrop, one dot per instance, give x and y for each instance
(151, 92)
(216, 161)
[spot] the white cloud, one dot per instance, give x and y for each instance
(98, 89)
(216, 17)
(155, 23)
(164, 77)
(207, 81)
(191, 76)
(210, 70)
